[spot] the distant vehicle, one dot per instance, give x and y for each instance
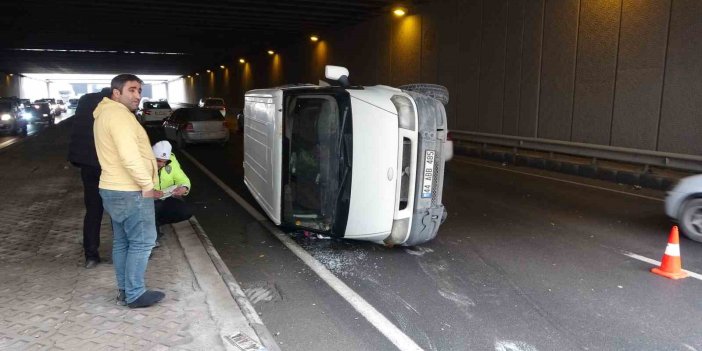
(39, 112)
(684, 205)
(153, 111)
(72, 103)
(24, 103)
(55, 109)
(215, 104)
(61, 105)
(356, 162)
(10, 120)
(196, 125)
(15, 103)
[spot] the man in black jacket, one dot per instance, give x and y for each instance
(82, 154)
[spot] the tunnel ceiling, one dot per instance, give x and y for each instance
(125, 35)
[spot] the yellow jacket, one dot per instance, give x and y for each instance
(123, 149)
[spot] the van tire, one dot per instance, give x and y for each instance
(438, 92)
(690, 219)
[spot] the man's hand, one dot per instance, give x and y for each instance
(180, 191)
(153, 193)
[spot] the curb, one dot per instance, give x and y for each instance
(235, 290)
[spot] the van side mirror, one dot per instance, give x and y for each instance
(335, 72)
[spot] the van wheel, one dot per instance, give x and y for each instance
(438, 92)
(691, 219)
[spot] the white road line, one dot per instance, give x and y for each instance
(561, 180)
(657, 263)
(375, 318)
(240, 200)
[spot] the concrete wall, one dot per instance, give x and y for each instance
(9, 85)
(611, 72)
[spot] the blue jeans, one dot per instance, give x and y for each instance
(134, 231)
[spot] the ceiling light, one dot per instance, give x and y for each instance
(10, 74)
(241, 60)
(314, 38)
(197, 74)
(221, 66)
(399, 12)
(271, 52)
(208, 71)
(189, 76)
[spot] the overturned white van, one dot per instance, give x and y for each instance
(353, 162)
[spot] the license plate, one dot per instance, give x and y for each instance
(428, 177)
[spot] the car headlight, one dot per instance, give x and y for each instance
(27, 115)
(45, 115)
(6, 117)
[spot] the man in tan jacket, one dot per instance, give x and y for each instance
(129, 173)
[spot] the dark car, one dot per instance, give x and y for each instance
(196, 125)
(72, 103)
(53, 106)
(10, 120)
(39, 112)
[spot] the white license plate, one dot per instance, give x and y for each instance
(428, 176)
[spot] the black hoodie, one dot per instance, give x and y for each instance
(81, 150)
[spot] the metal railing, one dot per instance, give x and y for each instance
(596, 152)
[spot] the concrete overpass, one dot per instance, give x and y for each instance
(617, 73)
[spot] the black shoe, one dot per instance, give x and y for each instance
(121, 298)
(91, 263)
(149, 298)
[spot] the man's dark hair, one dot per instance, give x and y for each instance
(119, 81)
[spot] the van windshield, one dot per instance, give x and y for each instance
(312, 147)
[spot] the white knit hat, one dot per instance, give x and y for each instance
(162, 150)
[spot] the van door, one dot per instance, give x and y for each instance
(263, 127)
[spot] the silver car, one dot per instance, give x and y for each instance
(684, 205)
(196, 125)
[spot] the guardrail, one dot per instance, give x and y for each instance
(642, 157)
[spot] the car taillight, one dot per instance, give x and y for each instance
(189, 127)
(147, 112)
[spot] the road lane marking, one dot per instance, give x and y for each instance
(561, 180)
(372, 315)
(657, 263)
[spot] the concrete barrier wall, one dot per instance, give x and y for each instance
(610, 72)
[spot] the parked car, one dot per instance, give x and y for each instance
(24, 103)
(11, 121)
(215, 104)
(39, 112)
(72, 103)
(196, 125)
(684, 205)
(363, 163)
(153, 111)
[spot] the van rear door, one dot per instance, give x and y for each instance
(263, 126)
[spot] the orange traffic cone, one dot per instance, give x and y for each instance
(671, 265)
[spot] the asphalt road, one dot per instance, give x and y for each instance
(527, 260)
(32, 129)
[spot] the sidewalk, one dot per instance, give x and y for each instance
(48, 301)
